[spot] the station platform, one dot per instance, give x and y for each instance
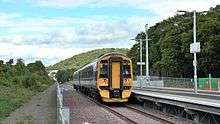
(199, 102)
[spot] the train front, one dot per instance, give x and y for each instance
(114, 78)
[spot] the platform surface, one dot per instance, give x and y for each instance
(181, 98)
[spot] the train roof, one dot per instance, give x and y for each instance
(88, 65)
(99, 58)
(112, 53)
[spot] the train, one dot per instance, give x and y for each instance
(108, 78)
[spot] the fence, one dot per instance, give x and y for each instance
(62, 112)
(155, 81)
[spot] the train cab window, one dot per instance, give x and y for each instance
(103, 71)
(126, 71)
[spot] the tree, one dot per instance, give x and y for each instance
(33, 76)
(63, 76)
(20, 67)
(37, 67)
(10, 62)
(169, 53)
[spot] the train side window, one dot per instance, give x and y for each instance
(126, 71)
(103, 71)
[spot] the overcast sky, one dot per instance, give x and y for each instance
(53, 30)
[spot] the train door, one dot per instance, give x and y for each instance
(116, 75)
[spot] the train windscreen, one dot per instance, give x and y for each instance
(126, 71)
(103, 71)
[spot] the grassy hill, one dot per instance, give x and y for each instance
(82, 59)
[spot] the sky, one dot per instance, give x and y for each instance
(53, 30)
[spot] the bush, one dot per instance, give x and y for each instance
(19, 82)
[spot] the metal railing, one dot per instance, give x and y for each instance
(171, 82)
(154, 81)
(62, 112)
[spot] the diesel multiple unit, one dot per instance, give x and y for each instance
(108, 78)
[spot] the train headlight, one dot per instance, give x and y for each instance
(126, 81)
(105, 81)
(127, 87)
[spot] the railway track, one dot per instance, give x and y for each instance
(119, 111)
(118, 114)
(136, 116)
(148, 114)
(122, 111)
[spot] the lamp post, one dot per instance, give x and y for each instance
(195, 58)
(141, 63)
(147, 53)
(194, 48)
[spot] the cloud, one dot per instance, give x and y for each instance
(31, 53)
(66, 32)
(55, 38)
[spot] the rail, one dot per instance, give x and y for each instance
(126, 119)
(148, 114)
(62, 112)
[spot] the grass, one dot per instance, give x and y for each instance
(12, 98)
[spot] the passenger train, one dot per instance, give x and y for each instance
(108, 78)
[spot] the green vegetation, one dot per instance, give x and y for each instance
(18, 82)
(67, 67)
(169, 53)
(65, 75)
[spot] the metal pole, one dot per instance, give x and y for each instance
(195, 60)
(210, 82)
(147, 53)
(141, 57)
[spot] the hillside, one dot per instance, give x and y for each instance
(82, 59)
(169, 47)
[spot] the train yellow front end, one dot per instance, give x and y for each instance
(114, 78)
(108, 78)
